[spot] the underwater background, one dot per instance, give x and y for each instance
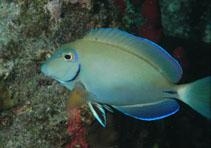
(35, 110)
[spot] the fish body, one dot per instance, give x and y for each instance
(128, 73)
(111, 73)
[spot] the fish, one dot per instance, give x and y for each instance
(126, 73)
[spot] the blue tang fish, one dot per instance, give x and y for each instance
(128, 73)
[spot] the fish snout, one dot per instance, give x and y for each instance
(44, 69)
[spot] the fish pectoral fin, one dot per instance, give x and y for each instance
(150, 111)
(108, 108)
(98, 112)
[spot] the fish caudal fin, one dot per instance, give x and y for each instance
(197, 95)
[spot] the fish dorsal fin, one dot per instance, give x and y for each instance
(141, 47)
(98, 112)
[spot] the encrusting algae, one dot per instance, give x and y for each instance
(6, 100)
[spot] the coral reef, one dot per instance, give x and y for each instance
(6, 101)
(186, 19)
(8, 29)
(77, 119)
(76, 129)
(121, 5)
(54, 8)
(151, 28)
(5, 68)
(141, 17)
(33, 108)
(179, 53)
(30, 31)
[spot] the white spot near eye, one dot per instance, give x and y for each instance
(48, 55)
(68, 56)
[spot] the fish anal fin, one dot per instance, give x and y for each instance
(150, 111)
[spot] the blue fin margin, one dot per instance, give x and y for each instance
(150, 111)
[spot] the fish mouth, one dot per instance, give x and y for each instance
(76, 75)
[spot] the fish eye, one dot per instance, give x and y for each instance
(68, 56)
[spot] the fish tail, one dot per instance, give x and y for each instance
(197, 95)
